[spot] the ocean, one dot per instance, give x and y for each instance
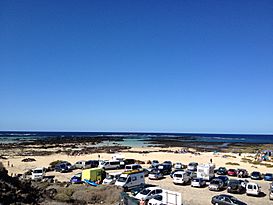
(138, 139)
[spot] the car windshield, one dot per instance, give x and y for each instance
(268, 174)
(196, 180)
(78, 175)
(145, 191)
(232, 170)
(154, 171)
(215, 182)
(122, 179)
(255, 173)
(155, 161)
(38, 171)
(192, 164)
(233, 182)
(222, 169)
(178, 175)
(110, 177)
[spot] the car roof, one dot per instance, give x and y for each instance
(153, 188)
(179, 172)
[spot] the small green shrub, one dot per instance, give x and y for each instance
(232, 163)
(62, 197)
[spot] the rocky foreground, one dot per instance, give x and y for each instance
(16, 191)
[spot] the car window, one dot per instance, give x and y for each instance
(227, 200)
(134, 178)
(249, 186)
(152, 192)
(158, 191)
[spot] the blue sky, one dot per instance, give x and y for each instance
(159, 66)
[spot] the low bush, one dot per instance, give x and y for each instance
(232, 163)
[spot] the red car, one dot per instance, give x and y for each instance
(232, 172)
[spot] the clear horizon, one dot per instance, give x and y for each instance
(137, 66)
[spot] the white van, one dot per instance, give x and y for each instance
(38, 173)
(111, 178)
(110, 164)
(181, 177)
(131, 179)
(131, 167)
(253, 189)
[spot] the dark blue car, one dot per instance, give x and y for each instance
(268, 177)
(76, 179)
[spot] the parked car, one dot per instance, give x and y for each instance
(271, 192)
(256, 175)
(136, 190)
(192, 166)
(148, 193)
(165, 168)
(268, 177)
(168, 162)
(232, 172)
(179, 165)
(236, 186)
(38, 173)
(181, 177)
(216, 185)
(154, 163)
(253, 189)
(192, 174)
(155, 174)
(76, 179)
(176, 170)
(221, 171)
(224, 199)
(86, 164)
(242, 173)
(146, 172)
(198, 182)
(63, 167)
(224, 179)
(111, 178)
(131, 167)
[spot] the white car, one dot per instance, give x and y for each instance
(198, 182)
(38, 173)
(192, 166)
(148, 193)
(178, 165)
(181, 177)
(155, 174)
(111, 178)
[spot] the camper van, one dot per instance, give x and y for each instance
(38, 173)
(111, 178)
(110, 164)
(181, 177)
(131, 179)
(205, 171)
(94, 174)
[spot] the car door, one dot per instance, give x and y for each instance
(151, 194)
